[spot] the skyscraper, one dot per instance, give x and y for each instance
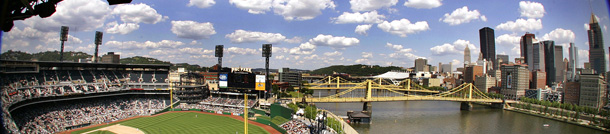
(466, 56)
(488, 44)
(549, 61)
(596, 47)
(573, 61)
(560, 68)
(535, 54)
(526, 42)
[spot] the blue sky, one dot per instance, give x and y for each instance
(307, 34)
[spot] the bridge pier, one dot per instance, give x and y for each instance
(368, 107)
(497, 105)
(466, 106)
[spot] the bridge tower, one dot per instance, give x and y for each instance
(368, 106)
(467, 105)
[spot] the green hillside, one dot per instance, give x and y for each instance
(43, 56)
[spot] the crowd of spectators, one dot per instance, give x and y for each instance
(217, 109)
(219, 104)
(295, 126)
(57, 117)
(237, 102)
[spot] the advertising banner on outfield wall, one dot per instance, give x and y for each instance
(222, 80)
(260, 82)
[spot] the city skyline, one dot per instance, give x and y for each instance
(308, 35)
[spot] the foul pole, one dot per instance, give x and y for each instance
(245, 113)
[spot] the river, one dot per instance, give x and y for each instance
(444, 117)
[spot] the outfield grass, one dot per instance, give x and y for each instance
(187, 123)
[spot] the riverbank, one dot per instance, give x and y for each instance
(580, 122)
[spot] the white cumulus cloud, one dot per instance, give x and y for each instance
(303, 49)
(243, 36)
(362, 29)
(398, 48)
(561, 37)
(423, 4)
(32, 40)
(242, 51)
(462, 15)
(80, 15)
(403, 27)
(333, 54)
(301, 9)
(521, 25)
(367, 17)
(253, 6)
(370, 5)
(531, 9)
(337, 42)
(125, 28)
(201, 3)
(367, 55)
(138, 13)
(134, 45)
(453, 49)
(193, 30)
(510, 40)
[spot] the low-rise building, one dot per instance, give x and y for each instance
(483, 83)
(515, 80)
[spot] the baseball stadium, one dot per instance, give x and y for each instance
(112, 98)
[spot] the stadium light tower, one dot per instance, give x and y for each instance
(98, 42)
(63, 37)
(266, 54)
(219, 55)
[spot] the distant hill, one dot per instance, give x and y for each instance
(355, 70)
(142, 60)
(43, 56)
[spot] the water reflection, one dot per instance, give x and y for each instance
(447, 118)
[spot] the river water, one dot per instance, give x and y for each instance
(445, 117)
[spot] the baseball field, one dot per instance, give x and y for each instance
(178, 122)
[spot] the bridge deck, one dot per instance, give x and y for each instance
(406, 98)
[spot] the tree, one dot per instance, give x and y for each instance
(311, 111)
(275, 89)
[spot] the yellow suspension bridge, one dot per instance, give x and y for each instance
(382, 90)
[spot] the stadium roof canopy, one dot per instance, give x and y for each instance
(393, 75)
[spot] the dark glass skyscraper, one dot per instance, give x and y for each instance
(549, 61)
(488, 44)
(596, 47)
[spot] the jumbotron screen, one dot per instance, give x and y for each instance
(242, 80)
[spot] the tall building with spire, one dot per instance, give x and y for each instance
(596, 47)
(488, 44)
(467, 56)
